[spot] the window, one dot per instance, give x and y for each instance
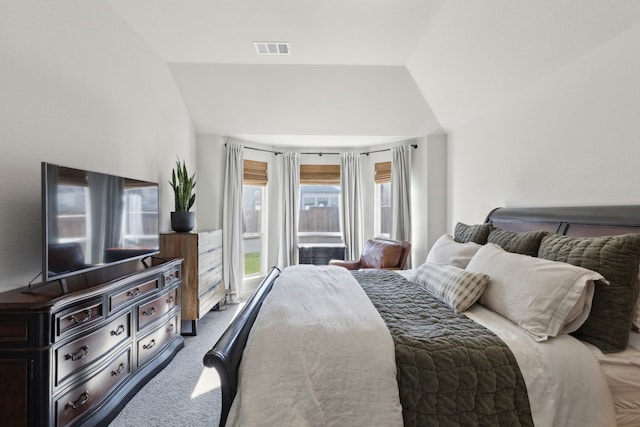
(253, 216)
(382, 199)
(319, 211)
(141, 216)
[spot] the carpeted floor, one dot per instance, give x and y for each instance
(185, 393)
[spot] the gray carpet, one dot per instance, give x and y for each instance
(185, 393)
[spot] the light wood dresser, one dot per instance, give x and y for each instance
(202, 284)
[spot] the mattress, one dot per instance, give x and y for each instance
(622, 371)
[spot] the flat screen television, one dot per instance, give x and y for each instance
(92, 220)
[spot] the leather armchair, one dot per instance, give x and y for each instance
(379, 253)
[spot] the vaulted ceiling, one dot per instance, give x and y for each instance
(363, 72)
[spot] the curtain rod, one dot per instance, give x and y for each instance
(320, 153)
(366, 153)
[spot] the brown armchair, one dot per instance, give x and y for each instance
(379, 253)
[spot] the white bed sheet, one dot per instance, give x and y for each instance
(622, 371)
(344, 369)
(565, 383)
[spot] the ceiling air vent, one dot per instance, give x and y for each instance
(272, 48)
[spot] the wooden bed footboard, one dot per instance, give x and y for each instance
(226, 354)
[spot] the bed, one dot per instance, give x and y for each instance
(323, 346)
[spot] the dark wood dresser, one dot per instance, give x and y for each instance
(202, 285)
(76, 358)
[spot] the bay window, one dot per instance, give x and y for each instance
(254, 216)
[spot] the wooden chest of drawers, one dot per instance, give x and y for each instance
(202, 287)
(76, 358)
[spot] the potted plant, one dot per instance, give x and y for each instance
(184, 191)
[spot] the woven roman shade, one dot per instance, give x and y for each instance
(319, 174)
(69, 176)
(255, 173)
(382, 172)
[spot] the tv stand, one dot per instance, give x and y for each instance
(77, 358)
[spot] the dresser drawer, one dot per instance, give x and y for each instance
(84, 314)
(89, 393)
(79, 353)
(209, 260)
(209, 279)
(155, 308)
(210, 298)
(156, 340)
(121, 298)
(209, 240)
(171, 276)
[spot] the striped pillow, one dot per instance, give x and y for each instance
(457, 288)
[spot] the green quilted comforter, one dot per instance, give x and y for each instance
(451, 370)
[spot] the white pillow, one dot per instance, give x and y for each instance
(447, 251)
(457, 288)
(545, 298)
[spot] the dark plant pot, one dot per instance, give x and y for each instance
(183, 222)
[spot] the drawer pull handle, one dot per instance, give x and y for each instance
(118, 331)
(118, 371)
(151, 312)
(84, 398)
(134, 293)
(74, 319)
(84, 351)
(170, 327)
(170, 300)
(150, 345)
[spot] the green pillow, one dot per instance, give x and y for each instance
(526, 243)
(478, 233)
(617, 259)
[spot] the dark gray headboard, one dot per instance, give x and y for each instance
(571, 221)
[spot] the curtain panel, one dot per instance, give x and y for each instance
(232, 253)
(401, 194)
(290, 179)
(351, 204)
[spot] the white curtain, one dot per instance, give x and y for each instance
(401, 194)
(351, 198)
(290, 179)
(232, 250)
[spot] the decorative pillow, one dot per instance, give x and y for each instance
(526, 243)
(447, 251)
(545, 298)
(457, 288)
(478, 233)
(617, 259)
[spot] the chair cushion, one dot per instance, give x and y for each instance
(380, 254)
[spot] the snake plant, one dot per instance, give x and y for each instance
(183, 187)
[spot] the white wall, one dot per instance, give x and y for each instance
(319, 100)
(571, 139)
(428, 195)
(541, 102)
(210, 181)
(79, 88)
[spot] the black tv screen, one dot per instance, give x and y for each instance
(91, 220)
